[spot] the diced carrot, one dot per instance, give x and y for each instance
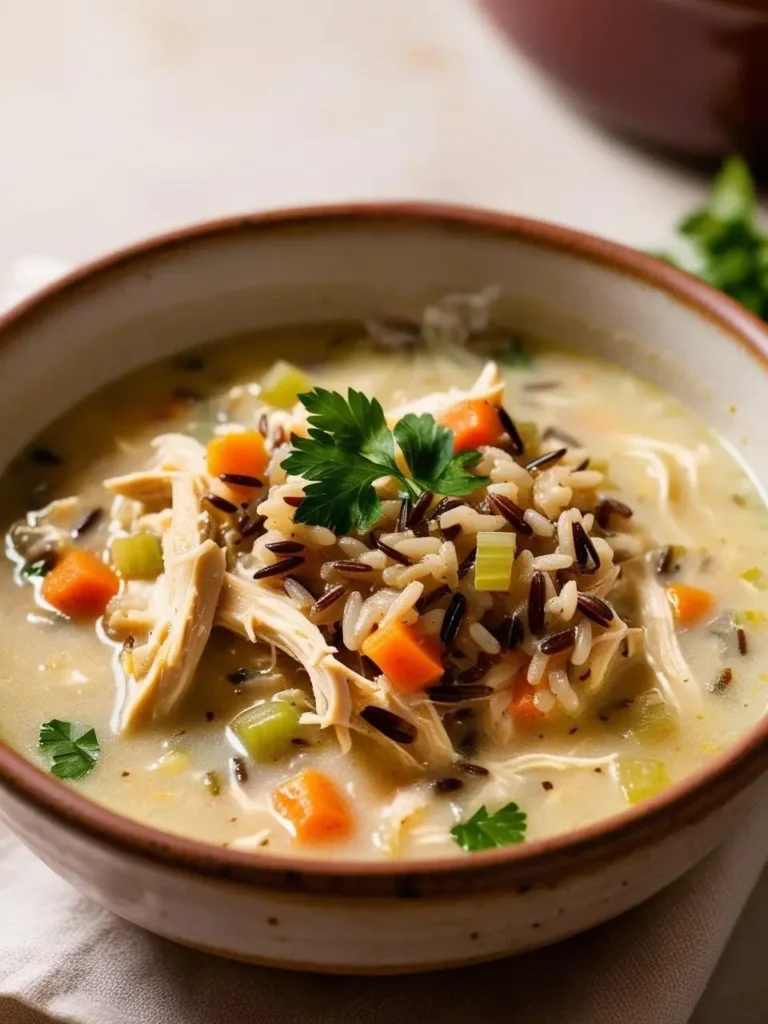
(80, 585)
(407, 658)
(243, 454)
(689, 604)
(522, 706)
(473, 422)
(315, 807)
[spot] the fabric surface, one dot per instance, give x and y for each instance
(62, 955)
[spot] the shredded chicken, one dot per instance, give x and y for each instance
(187, 595)
(259, 613)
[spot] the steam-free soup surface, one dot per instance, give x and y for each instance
(655, 669)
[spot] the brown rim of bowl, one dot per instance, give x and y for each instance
(545, 862)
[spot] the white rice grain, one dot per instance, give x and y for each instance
(564, 605)
(402, 607)
(486, 641)
(585, 479)
(300, 596)
(470, 520)
(560, 685)
(544, 700)
(537, 668)
(431, 622)
(551, 563)
(352, 608)
(352, 547)
(418, 547)
(540, 525)
(583, 645)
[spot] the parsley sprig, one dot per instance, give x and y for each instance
(722, 242)
(484, 831)
(73, 757)
(350, 446)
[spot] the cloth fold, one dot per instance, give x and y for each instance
(62, 956)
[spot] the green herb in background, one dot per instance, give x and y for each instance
(350, 446)
(72, 758)
(485, 831)
(722, 244)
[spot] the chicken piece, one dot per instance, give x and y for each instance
(256, 612)
(176, 454)
(185, 597)
(489, 385)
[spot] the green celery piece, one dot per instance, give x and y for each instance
(283, 383)
(493, 565)
(138, 557)
(652, 719)
(641, 778)
(733, 191)
(266, 730)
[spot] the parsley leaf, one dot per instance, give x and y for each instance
(350, 446)
(72, 757)
(36, 569)
(484, 831)
(723, 244)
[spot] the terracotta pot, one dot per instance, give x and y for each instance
(688, 75)
(228, 277)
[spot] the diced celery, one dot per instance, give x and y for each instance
(266, 730)
(652, 719)
(173, 763)
(138, 557)
(283, 383)
(750, 617)
(753, 575)
(495, 555)
(641, 779)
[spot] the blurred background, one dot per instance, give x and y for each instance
(122, 118)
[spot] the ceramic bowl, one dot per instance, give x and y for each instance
(690, 76)
(357, 261)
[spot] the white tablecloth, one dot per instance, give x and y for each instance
(122, 118)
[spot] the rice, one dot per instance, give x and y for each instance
(537, 668)
(418, 547)
(544, 700)
(349, 619)
(470, 520)
(540, 525)
(431, 622)
(564, 604)
(552, 563)
(561, 687)
(298, 593)
(402, 607)
(485, 640)
(583, 645)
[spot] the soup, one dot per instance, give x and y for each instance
(495, 592)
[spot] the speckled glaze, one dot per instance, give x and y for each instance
(224, 278)
(688, 75)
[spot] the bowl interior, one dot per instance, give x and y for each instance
(212, 283)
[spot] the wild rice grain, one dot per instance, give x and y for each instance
(352, 567)
(507, 422)
(88, 522)
(723, 681)
(263, 426)
(240, 480)
(611, 507)
(741, 638)
(546, 461)
(248, 527)
(510, 633)
(389, 724)
(429, 599)
(472, 769)
(453, 618)
(419, 510)
(595, 609)
(664, 563)
(558, 642)
(447, 785)
(536, 597)
(239, 769)
(451, 532)
(511, 512)
(45, 457)
(294, 502)
(284, 547)
(330, 597)
(221, 503)
(285, 565)
(585, 550)
(404, 516)
(392, 553)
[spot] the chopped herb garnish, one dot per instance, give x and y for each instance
(485, 831)
(516, 355)
(350, 446)
(37, 569)
(73, 757)
(723, 244)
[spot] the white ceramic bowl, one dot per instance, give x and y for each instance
(233, 276)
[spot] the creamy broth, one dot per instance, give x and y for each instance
(685, 490)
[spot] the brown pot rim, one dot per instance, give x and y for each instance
(544, 862)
